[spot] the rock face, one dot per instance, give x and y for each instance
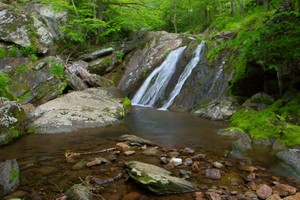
(38, 82)
(142, 61)
(27, 29)
(94, 107)
(157, 179)
(79, 192)
(12, 120)
(9, 177)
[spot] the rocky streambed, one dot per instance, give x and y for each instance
(130, 167)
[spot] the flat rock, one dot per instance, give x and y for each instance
(152, 151)
(91, 108)
(293, 197)
(122, 146)
(157, 179)
(129, 153)
(79, 192)
(290, 157)
(213, 174)
(285, 190)
(263, 191)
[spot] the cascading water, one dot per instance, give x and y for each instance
(185, 74)
(155, 85)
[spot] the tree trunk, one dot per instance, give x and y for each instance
(242, 8)
(99, 15)
(266, 4)
(233, 7)
(175, 15)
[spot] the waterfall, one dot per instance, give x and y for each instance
(155, 85)
(185, 74)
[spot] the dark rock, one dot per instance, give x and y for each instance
(278, 146)
(242, 145)
(199, 157)
(79, 192)
(12, 121)
(264, 191)
(213, 174)
(158, 179)
(258, 102)
(9, 177)
(97, 54)
(188, 161)
(79, 165)
(135, 139)
(164, 160)
(290, 157)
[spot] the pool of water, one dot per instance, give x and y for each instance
(45, 172)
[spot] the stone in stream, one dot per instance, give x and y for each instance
(135, 140)
(122, 146)
(274, 197)
(129, 153)
(213, 174)
(291, 157)
(152, 151)
(176, 161)
(263, 191)
(157, 179)
(293, 197)
(79, 192)
(9, 176)
(285, 190)
(213, 196)
(188, 150)
(218, 165)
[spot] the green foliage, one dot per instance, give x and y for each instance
(126, 102)
(13, 51)
(120, 54)
(57, 69)
(2, 52)
(4, 82)
(273, 122)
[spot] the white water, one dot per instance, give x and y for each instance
(148, 94)
(184, 76)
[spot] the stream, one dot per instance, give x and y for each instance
(45, 172)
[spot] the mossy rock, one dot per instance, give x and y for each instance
(9, 177)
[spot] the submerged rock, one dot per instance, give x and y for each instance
(157, 179)
(9, 177)
(12, 120)
(79, 192)
(135, 140)
(91, 108)
(291, 157)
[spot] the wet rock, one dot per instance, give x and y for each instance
(79, 192)
(247, 168)
(18, 194)
(184, 174)
(274, 197)
(262, 142)
(250, 195)
(278, 146)
(122, 146)
(213, 196)
(229, 133)
(9, 177)
(188, 150)
(188, 161)
(132, 196)
(213, 174)
(12, 121)
(136, 140)
(218, 165)
(251, 176)
(96, 161)
(176, 161)
(91, 108)
(196, 167)
(164, 160)
(290, 157)
(158, 179)
(242, 145)
(129, 153)
(79, 165)
(152, 151)
(97, 54)
(263, 191)
(293, 197)
(169, 166)
(199, 195)
(199, 157)
(173, 154)
(219, 110)
(285, 190)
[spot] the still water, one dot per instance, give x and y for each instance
(44, 170)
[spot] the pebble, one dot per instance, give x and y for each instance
(152, 151)
(294, 197)
(199, 157)
(188, 150)
(247, 168)
(122, 146)
(213, 196)
(264, 191)
(188, 161)
(176, 161)
(129, 153)
(218, 165)
(173, 154)
(132, 196)
(199, 195)
(274, 197)
(96, 161)
(164, 160)
(213, 174)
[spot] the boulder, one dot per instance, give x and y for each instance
(258, 102)
(219, 110)
(157, 179)
(241, 145)
(12, 120)
(291, 157)
(91, 108)
(79, 192)
(25, 26)
(38, 82)
(9, 177)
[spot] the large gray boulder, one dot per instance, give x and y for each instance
(12, 120)
(9, 177)
(91, 108)
(157, 179)
(291, 157)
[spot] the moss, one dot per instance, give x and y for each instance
(57, 69)
(272, 122)
(14, 175)
(2, 52)
(31, 130)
